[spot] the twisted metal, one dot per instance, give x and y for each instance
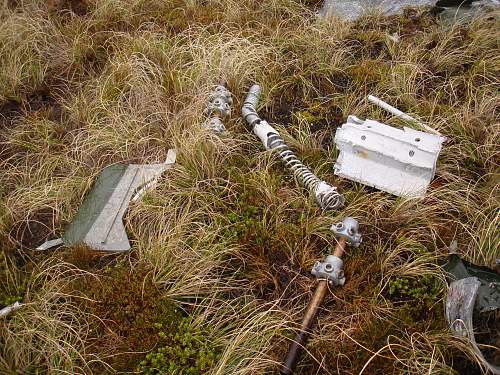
(327, 196)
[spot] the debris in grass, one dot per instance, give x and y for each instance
(489, 289)
(400, 162)
(353, 9)
(98, 223)
(326, 195)
(10, 309)
(396, 112)
(218, 107)
(459, 11)
(472, 308)
(455, 10)
(330, 272)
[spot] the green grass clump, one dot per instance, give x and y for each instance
(13, 282)
(186, 351)
(8, 299)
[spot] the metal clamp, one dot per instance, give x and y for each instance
(348, 229)
(332, 269)
(218, 107)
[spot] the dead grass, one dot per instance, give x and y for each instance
(227, 235)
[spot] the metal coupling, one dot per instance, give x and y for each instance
(331, 269)
(249, 108)
(348, 229)
(218, 107)
(326, 195)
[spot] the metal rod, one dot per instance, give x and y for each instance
(312, 309)
(396, 112)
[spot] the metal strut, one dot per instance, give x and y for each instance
(326, 195)
(330, 272)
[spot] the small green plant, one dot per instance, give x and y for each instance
(243, 224)
(186, 351)
(423, 288)
(7, 299)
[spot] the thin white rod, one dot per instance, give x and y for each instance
(396, 112)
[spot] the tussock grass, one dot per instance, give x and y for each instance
(50, 330)
(228, 235)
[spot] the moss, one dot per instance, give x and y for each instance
(8, 299)
(128, 307)
(321, 115)
(424, 288)
(188, 351)
(418, 301)
(369, 72)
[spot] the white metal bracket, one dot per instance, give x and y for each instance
(399, 161)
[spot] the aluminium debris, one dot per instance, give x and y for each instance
(473, 290)
(396, 112)
(218, 108)
(99, 220)
(400, 162)
(7, 310)
(351, 10)
(451, 10)
(329, 272)
(326, 195)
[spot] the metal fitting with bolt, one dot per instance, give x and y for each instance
(218, 107)
(332, 268)
(329, 272)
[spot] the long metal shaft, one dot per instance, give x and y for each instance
(301, 338)
(312, 309)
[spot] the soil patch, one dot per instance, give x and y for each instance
(30, 233)
(9, 111)
(77, 7)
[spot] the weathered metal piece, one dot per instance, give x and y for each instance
(328, 273)
(215, 125)
(396, 112)
(473, 290)
(452, 11)
(348, 229)
(99, 220)
(7, 310)
(326, 195)
(460, 305)
(351, 10)
(331, 269)
(50, 244)
(401, 162)
(302, 336)
(218, 107)
(489, 289)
